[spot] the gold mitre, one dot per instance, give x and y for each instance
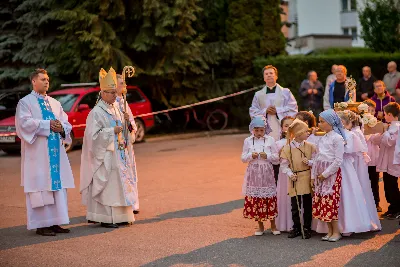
(108, 80)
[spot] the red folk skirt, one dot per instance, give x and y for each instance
(260, 208)
(326, 207)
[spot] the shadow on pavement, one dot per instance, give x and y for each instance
(18, 236)
(269, 250)
(210, 210)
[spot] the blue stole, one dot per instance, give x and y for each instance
(53, 146)
(331, 89)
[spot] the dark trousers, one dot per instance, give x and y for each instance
(276, 172)
(392, 192)
(374, 178)
(307, 211)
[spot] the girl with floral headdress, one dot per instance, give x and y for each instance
(259, 189)
(357, 213)
(326, 173)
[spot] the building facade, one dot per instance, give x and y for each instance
(335, 19)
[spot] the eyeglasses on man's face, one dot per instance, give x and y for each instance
(111, 92)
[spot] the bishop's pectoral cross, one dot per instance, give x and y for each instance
(55, 167)
(54, 150)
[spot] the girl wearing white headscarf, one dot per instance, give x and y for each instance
(327, 175)
(259, 189)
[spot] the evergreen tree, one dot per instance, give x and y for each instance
(257, 25)
(184, 50)
(27, 33)
(89, 38)
(380, 20)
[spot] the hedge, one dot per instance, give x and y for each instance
(293, 70)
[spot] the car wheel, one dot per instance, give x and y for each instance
(141, 130)
(70, 147)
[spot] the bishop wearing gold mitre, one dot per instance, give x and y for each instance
(108, 184)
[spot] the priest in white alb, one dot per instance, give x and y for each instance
(273, 101)
(108, 184)
(42, 125)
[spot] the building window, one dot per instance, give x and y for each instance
(353, 5)
(352, 32)
(345, 5)
(349, 5)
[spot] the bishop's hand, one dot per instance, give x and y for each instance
(117, 129)
(126, 116)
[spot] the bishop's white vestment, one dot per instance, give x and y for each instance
(45, 169)
(108, 182)
(121, 104)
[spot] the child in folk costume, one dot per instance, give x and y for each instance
(259, 188)
(388, 161)
(284, 221)
(285, 122)
(310, 119)
(357, 212)
(297, 157)
(373, 153)
(326, 173)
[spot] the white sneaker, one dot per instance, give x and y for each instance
(276, 232)
(258, 233)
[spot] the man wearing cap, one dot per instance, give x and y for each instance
(108, 184)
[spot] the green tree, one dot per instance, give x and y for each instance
(27, 33)
(257, 25)
(183, 50)
(89, 37)
(380, 20)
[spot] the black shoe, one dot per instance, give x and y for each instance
(393, 216)
(123, 223)
(46, 231)
(135, 211)
(89, 221)
(109, 225)
(307, 233)
(57, 229)
(294, 233)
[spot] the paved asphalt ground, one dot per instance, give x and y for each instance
(191, 215)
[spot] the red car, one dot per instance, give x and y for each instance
(77, 101)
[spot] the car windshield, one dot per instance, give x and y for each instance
(67, 101)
